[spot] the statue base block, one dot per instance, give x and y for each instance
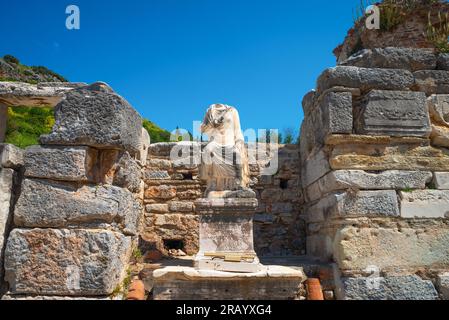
(226, 235)
(184, 283)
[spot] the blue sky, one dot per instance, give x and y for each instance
(171, 59)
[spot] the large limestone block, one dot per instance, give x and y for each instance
(362, 180)
(161, 149)
(371, 153)
(308, 102)
(61, 163)
(357, 248)
(410, 287)
(425, 204)
(96, 116)
(146, 142)
(441, 180)
(365, 79)
(65, 262)
(25, 94)
(355, 204)
(439, 112)
(443, 61)
(394, 58)
(332, 115)
(126, 173)
(443, 285)
(337, 112)
(11, 156)
(432, 81)
(315, 167)
(46, 204)
(182, 283)
(6, 185)
(394, 113)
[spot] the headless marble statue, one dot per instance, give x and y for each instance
(227, 210)
(224, 161)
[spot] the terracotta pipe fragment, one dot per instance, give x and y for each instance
(314, 290)
(136, 291)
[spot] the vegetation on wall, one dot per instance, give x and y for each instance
(392, 12)
(438, 34)
(27, 124)
(396, 12)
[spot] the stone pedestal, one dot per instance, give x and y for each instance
(226, 235)
(3, 121)
(184, 283)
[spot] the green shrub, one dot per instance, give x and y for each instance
(27, 124)
(438, 34)
(47, 72)
(11, 59)
(157, 134)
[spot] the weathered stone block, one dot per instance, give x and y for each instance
(160, 192)
(377, 153)
(432, 81)
(409, 287)
(332, 115)
(65, 262)
(45, 204)
(157, 208)
(425, 204)
(412, 59)
(337, 112)
(6, 192)
(355, 204)
(365, 79)
(61, 163)
(308, 102)
(315, 167)
(146, 142)
(127, 173)
(362, 180)
(43, 94)
(11, 156)
(156, 175)
(220, 218)
(443, 285)
(403, 247)
(181, 206)
(274, 282)
(443, 61)
(159, 164)
(441, 180)
(95, 116)
(393, 113)
(439, 113)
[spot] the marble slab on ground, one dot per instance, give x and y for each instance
(185, 283)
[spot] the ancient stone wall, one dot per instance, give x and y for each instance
(374, 171)
(11, 163)
(78, 215)
(171, 190)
